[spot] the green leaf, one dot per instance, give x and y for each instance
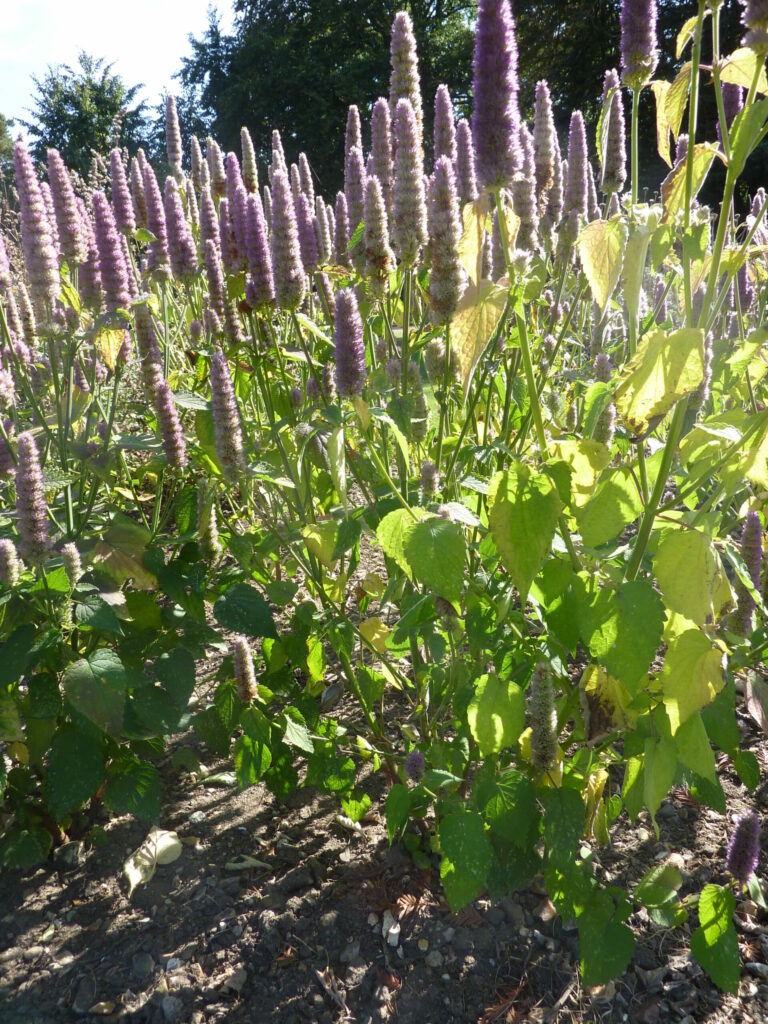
(93, 612)
(694, 750)
(134, 787)
(563, 824)
(296, 733)
(393, 533)
(43, 697)
(397, 808)
(496, 714)
(16, 654)
(686, 570)
(337, 457)
(748, 769)
(466, 857)
(601, 248)
(606, 944)
(660, 765)
(75, 770)
(615, 504)
(715, 944)
(658, 886)
(210, 728)
(356, 807)
(691, 677)
(666, 366)
(745, 131)
(673, 186)
(25, 848)
(11, 730)
(242, 609)
(623, 628)
(252, 755)
(96, 688)
(524, 510)
(512, 813)
(435, 549)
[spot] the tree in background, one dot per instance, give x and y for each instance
(76, 110)
(6, 144)
(297, 65)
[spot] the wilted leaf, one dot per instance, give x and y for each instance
(660, 90)
(160, 847)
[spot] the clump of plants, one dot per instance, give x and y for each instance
(479, 445)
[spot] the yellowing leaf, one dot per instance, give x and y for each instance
(686, 570)
(660, 90)
(686, 34)
(108, 343)
(666, 367)
(646, 220)
(692, 676)
(673, 186)
(320, 539)
(739, 69)
(605, 702)
(361, 408)
(160, 847)
(601, 248)
(475, 320)
(587, 460)
(677, 99)
(375, 632)
(475, 217)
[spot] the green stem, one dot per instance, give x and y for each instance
(635, 144)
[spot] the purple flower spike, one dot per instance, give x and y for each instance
(353, 136)
(89, 277)
(234, 178)
(5, 266)
(404, 77)
(379, 258)
(197, 162)
(615, 156)
(122, 203)
(415, 766)
(226, 418)
(169, 425)
(307, 239)
(544, 140)
(248, 154)
(409, 230)
(322, 231)
(72, 243)
(267, 203)
(295, 183)
(149, 352)
(229, 254)
(752, 553)
(577, 183)
(216, 170)
(193, 212)
(50, 213)
(209, 221)
(137, 194)
(10, 566)
(245, 677)
(552, 203)
(445, 281)
(113, 271)
(755, 20)
(350, 347)
(495, 117)
(173, 138)
(381, 149)
(262, 285)
(354, 185)
(214, 273)
(181, 244)
(524, 195)
(286, 251)
(341, 234)
(278, 154)
(305, 177)
(639, 52)
(743, 852)
(466, 176)
(158, 250)
(733, 102)
(32, 523)
(445, 129)
(37, 243)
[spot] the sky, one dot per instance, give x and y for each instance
(146, 39)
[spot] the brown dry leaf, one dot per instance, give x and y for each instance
(503, 1010)
(468, 917)
(287, 957)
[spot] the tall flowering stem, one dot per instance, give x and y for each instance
(495, 116)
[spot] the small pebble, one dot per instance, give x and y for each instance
(197, 817)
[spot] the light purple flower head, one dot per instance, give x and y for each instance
(36, 239)
(639, 50)
(743, 852)
(353, 135)
(137, 194)
(349, 345)
(466, 176)
(72, 243)
(181, 244)
(216, 170)
(278, 155)
(341, 234)
(615, 155)
(122, 204)
(409, 230)
(10, 565)
(169, 425)
(444, 127)
(32, 522)
(381, 149)
(50, 212)
(5, 265)
(305, 177)
(577, 183)
(544, 139)
(250, 170)
(733, 102)
(159, 260)
(524, 195)
(752, 553)
(446, 279)
(197, 162)
(234, 177)
(379, 258)
(354, 185)
(260, 285)
(307, 239)
(89, 276)
(267, 204)
(112, 268)
(286, 252)
(552, 203)
(193, 212)
(226, 418)
(495, 116)
(322, 231)
(173, 138)
(755, 21)
(209, 221)
(295, 183)
(415, 766)
(215, 275)
(229, 253)
(404, 77)
(245, 677)
(149, 353)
